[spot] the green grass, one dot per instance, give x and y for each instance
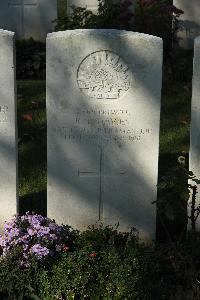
(174, 137)
(175, 124)
(175, 118)
(32, 146)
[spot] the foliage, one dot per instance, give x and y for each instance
(105, 264)
(105, 18)
(16, 281)
(30, 59)
(115, 14)
(159, 18)
(182, 65)
(35, 235)
(155, 17)
(173, 202)
(106, 275)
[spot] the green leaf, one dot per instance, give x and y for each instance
(197, 181)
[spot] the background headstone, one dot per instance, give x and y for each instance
(189, 22)
(8, 139)
(194, 164)
(103, 108)
(28, 18)
(89, 4)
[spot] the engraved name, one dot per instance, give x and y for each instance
(102, 126)
(3, 113)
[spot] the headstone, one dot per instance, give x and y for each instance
(103, 107)
(28, 18)
(8, 182)
(189, 22)
(89, 4)
(194, 158)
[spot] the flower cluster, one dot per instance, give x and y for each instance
(35, 235)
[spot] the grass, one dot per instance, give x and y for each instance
(174, 137)
(175, 118)
(175, 124)
(32, 146)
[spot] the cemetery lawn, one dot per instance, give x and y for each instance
(175, 124)
(31, 106)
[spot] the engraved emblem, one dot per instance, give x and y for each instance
(104, 75)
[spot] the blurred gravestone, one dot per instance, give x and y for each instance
(103, 108)
(8, 139)
(28, 18)
(194, 164)
(89, 4)
(189, 22)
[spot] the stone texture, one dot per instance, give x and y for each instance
(103, 109)
(189, 24)
(28, 18)
(194, 164)
(8, 182)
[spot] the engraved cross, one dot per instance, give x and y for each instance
(101, 175)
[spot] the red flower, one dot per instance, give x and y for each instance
(27, 117)
(93, 254)
(65, 248)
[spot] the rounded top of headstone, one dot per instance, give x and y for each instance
(197, 40)
(107, 32)
(6, 32)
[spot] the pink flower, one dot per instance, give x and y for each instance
(31, 231)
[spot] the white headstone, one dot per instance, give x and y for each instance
(189, 22)
(103, 107)
(194, 164)
(8, 181)
(28, 18)
(89, 4)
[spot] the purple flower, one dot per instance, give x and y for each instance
(33, 234)
(43, 231)
(53, 226)
(53, 237)
(13, 232)
(58, 248)
(35, 220)
(30, 231)
(39, 250)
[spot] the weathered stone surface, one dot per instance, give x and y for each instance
(103, 108)
(28, 18)
(8, 182)
(189, 24)
(194, 164)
